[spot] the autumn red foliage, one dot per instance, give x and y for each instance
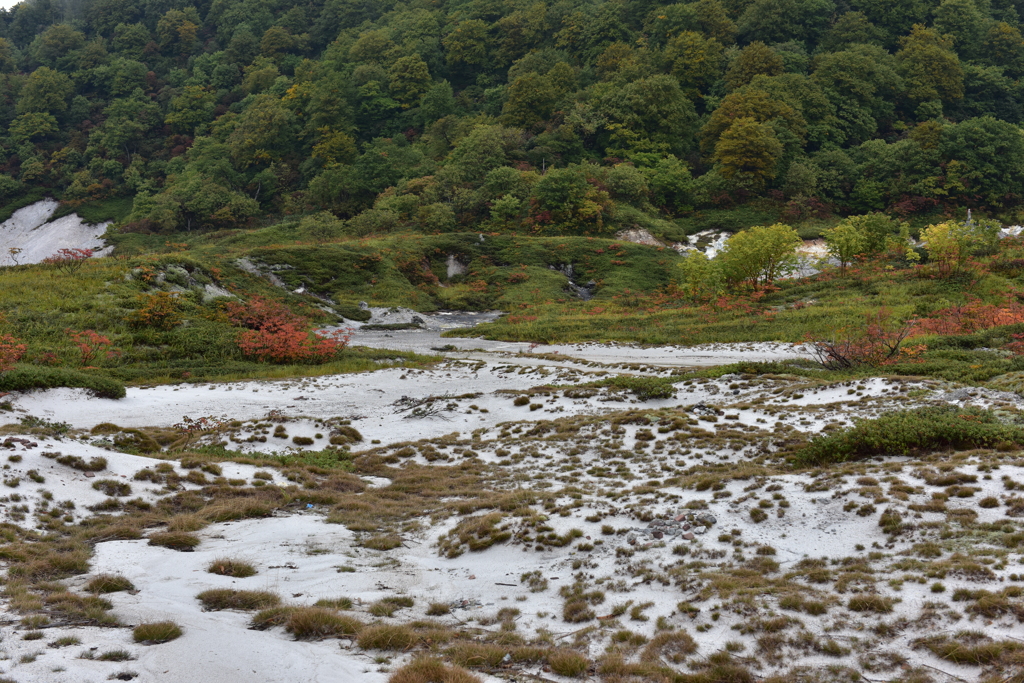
(90, 344)
(68, 261)
(274, 334)
(971, 317)
(11, 351)
(880, 341)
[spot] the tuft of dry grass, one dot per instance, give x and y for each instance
(673, 646)
(157, 632)
(269, 618)
(430, 670)
(387, 637)
(382, 542)
(313, 623)
(238, 569)
(386, 607)
(228, 598)
(335, 603)
(569, 663)
(437, 609)
(109, 583)
(871, 603)
(175, 540)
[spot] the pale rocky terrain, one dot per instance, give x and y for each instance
(642, 506)
(32, 231)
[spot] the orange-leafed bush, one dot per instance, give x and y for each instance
(881, 340)
(90, 344)
(274, 334)
(160, 310)
(970, 317)
(11, 351)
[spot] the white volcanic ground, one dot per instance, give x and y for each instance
(298, 555)
(31, 230)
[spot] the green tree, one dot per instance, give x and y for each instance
(53, 46)
(409, 78)
(627, 183)
(961, 20)
(755, 59)
(190, 109)
(263, 133)
(696, 61)
(530, 100)
(951, 243)
(929, 66)
(845, 242)
(469, 43)
(45, 90)
(670, 184)
(758, 256)
(984, 160)
(749, 152)
(776, 21)
(851, 28)
(701, 279)
(648, 115)
(177, 29)
(571, 200)
(877, 230)
(1003, 45)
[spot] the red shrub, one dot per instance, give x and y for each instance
(11, 352)
(90, 344)
(274, 334)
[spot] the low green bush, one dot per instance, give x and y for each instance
(27, 377)
(908, 431)
(644, 388)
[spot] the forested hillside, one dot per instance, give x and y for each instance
(539, 117)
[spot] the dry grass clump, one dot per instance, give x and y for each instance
(247, 507)
(47, 563)
(335, 603)
(227, 598)
(468, 653)
(430, 670)
(157, 632)
(673, 646)
(387, 637)
(382, 542)
(109, 583)
(386, 607)
(112, 487)
(238, 569)
(993, 605)
(871, 603)
(569, 663)
(269, 618)
(90, 609)
(175, 540)
(313, 623)
(475, 533)
(437, 609)
(186, 522)
(974, 648)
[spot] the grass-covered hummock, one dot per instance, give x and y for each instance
(906, 432)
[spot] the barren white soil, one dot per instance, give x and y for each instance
(31, 231)
(643, 507)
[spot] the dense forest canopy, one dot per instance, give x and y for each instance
(555, 116)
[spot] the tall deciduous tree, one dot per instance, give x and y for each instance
(760, 255)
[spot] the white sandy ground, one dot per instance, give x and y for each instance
(298, 554)
(31, 230)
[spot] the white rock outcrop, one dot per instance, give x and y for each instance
(31, 230)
